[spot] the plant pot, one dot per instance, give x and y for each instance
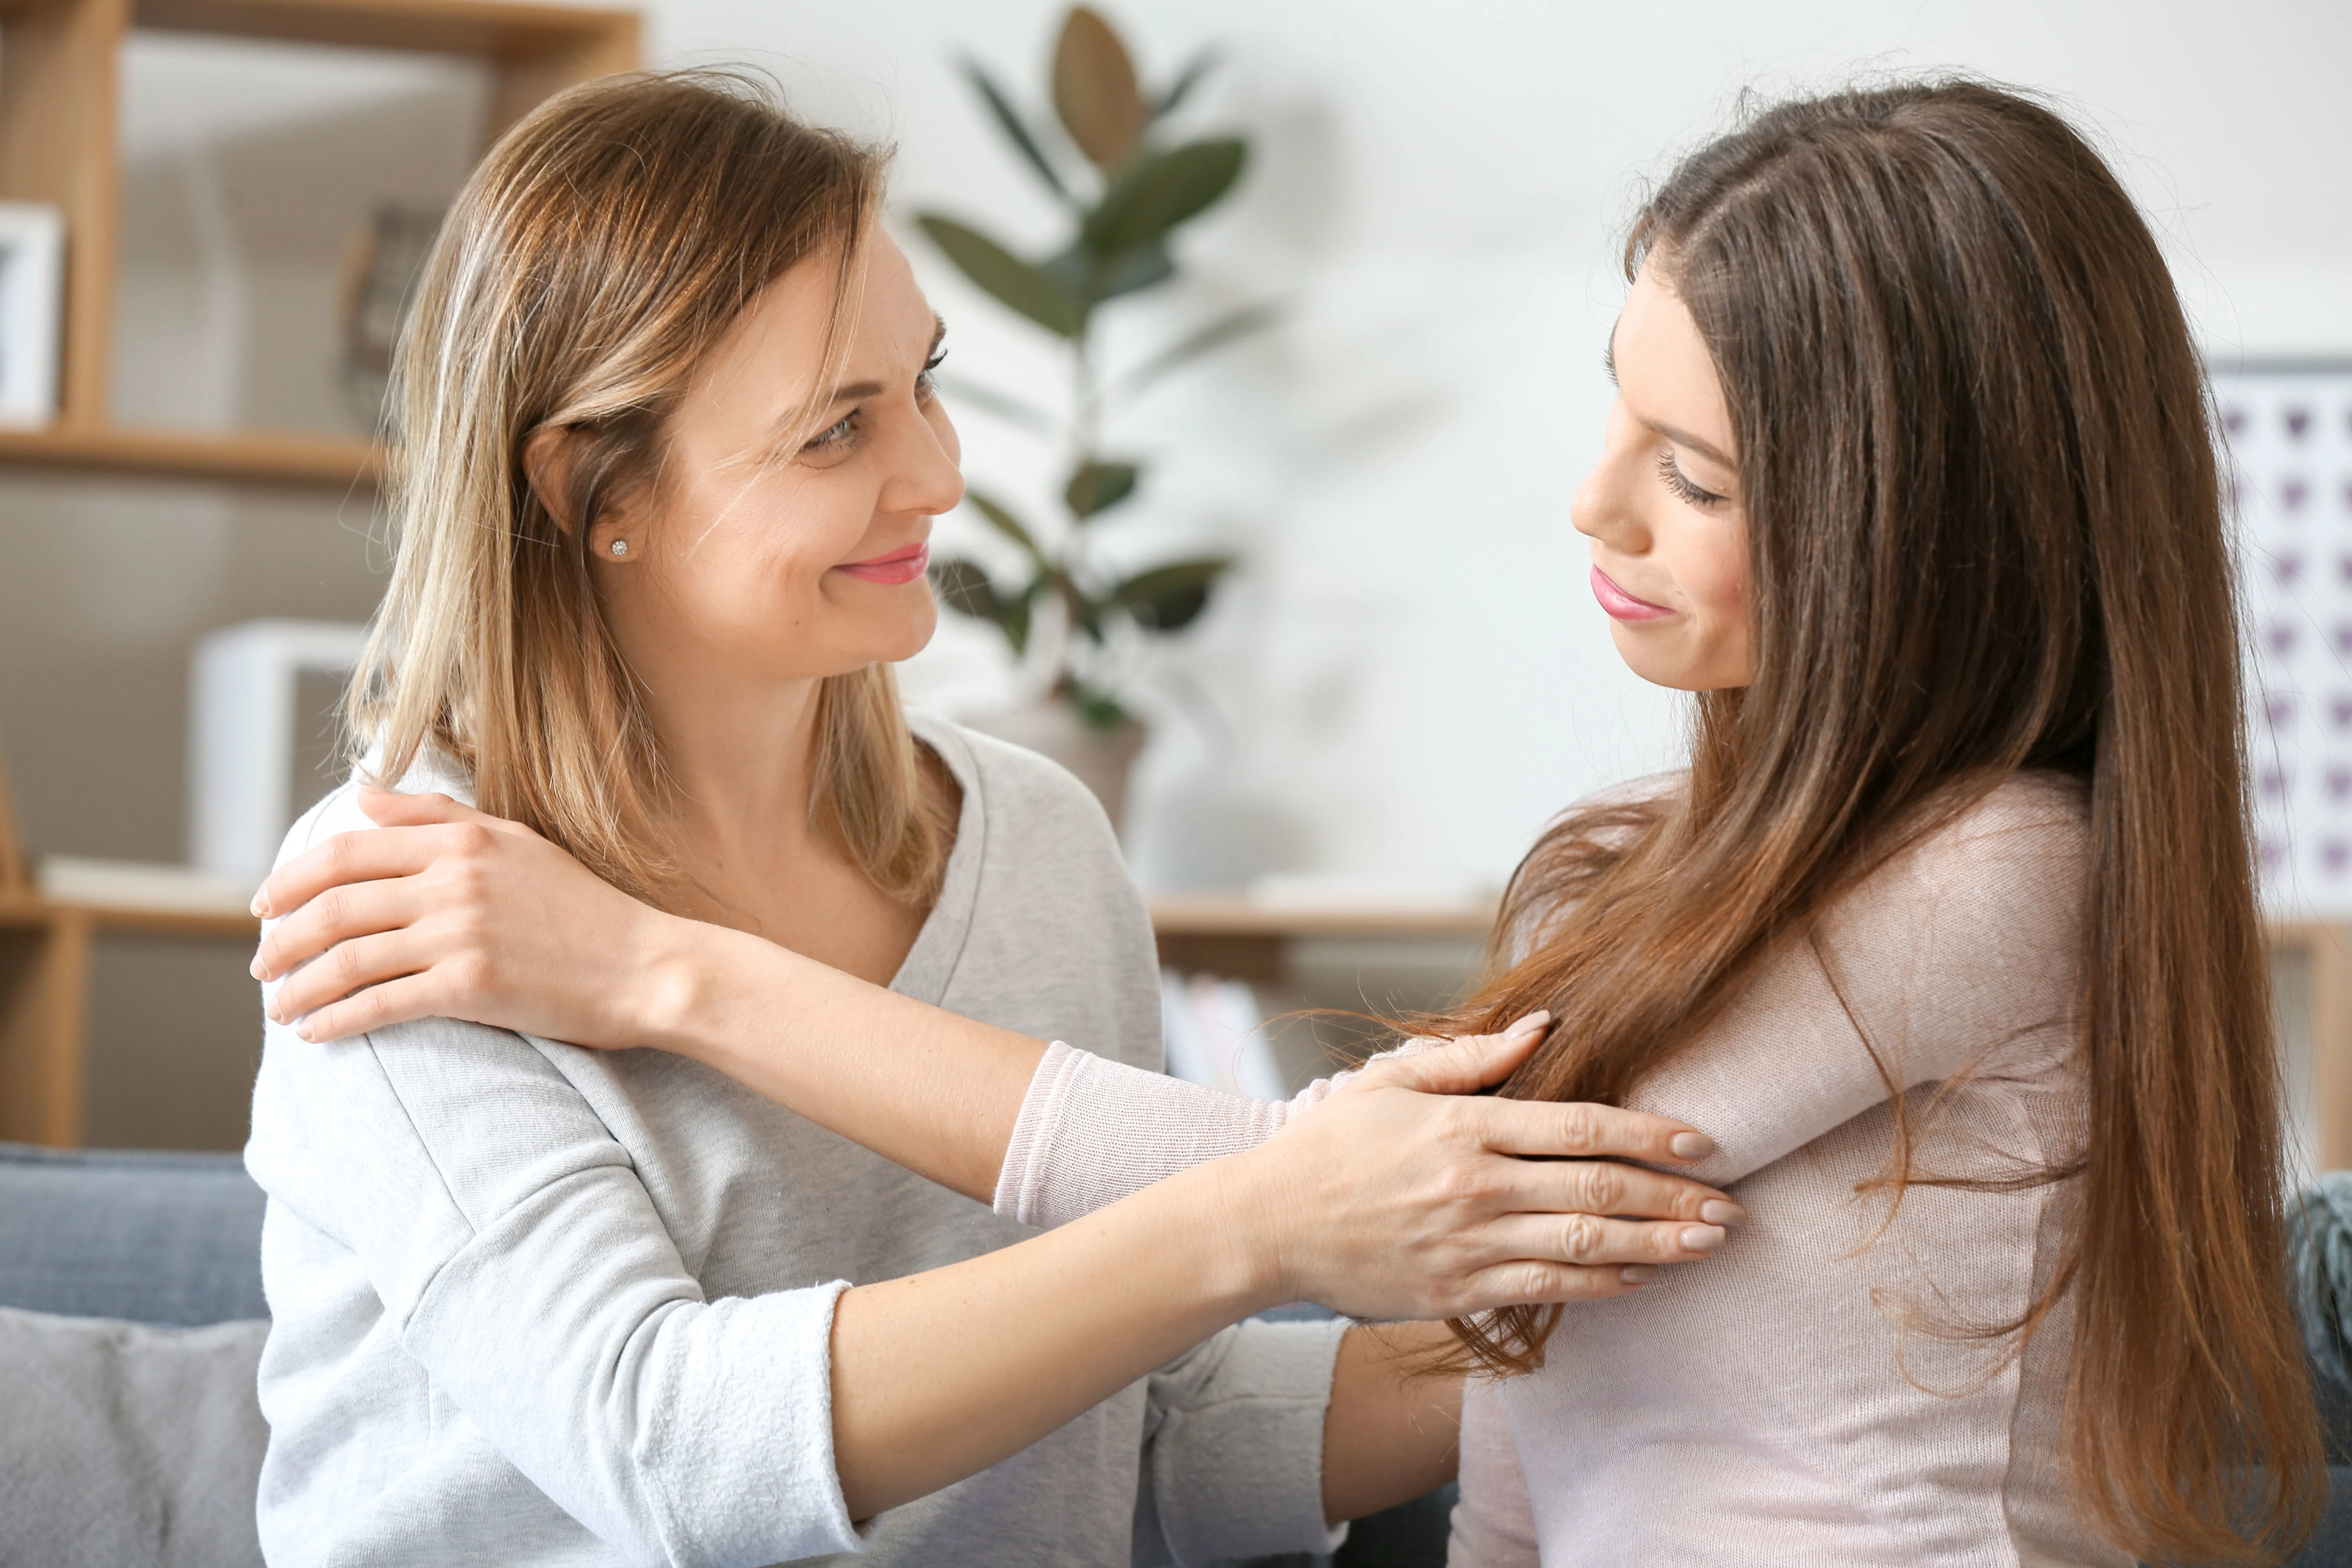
(1102, 759)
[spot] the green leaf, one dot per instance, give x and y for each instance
(1095, 90)
(1001, 519)
(1086, 612)
(1098, 487)
(1226, 328)
(1170, 598)
(1099, 711)
(1159, 192)
(1009, 119)
(1016, 617)
(1095, 279)
(1186, 80)
(964, 588)
(1031, 290)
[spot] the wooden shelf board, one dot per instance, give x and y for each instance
(19, 913)
(237, 457)
(1233, 915)
(501, 31)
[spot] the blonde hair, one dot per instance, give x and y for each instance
(604, 245)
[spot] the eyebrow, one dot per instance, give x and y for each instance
(1679, 437)
(852, 391)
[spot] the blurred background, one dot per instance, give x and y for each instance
(1383, 672)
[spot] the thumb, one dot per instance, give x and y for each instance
(390, 809)
(1474, 1062)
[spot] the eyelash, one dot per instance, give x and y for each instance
(833, 436)
(1679, 482)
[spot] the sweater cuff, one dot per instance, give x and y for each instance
(1092, 1131)
(1237, 1465)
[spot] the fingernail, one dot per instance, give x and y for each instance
(1534, 1023)
(1691, 1145)
(1722, 1211)
(254, 969)
(260, 907)
(1638, 1273)
(1702, 1238)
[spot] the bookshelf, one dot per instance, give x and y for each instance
(59, 62)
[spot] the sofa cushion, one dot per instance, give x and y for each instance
(128, 1446)
(151, 1238)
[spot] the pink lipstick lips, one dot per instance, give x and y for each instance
(1621, 604)
(899, 566)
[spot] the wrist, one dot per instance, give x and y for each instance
(1241, 1208)
(675, 1008)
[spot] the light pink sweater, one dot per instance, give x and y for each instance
(1809, 1395)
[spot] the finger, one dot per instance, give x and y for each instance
(337, 914)
(1470, 1064)
(1580, 1130)
(391, 808)
(1606, 1187)
(345, 968)
(1593, 1241)
(1526, 1282)
(361, 856)
(377, 1008)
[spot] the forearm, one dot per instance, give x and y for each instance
(937, 1376)
(927, 1089)
(1393, 1431)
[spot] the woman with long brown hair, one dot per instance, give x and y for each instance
(1947, 932)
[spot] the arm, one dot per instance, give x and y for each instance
(449, 912)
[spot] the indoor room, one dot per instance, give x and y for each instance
(1168, 782)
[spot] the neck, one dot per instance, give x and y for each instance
(741, 756)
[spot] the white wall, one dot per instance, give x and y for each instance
(1415, 674)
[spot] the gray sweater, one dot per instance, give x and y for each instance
(535, 1304)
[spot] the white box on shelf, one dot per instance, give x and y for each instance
(244, 735)
(32, 298)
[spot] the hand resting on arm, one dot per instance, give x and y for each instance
(1400, 1197)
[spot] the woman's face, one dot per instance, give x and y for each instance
(783, 544)
(1663, 505)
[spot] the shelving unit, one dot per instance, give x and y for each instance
(59, 144)
(58, 115)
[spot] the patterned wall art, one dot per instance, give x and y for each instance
(2289, 434)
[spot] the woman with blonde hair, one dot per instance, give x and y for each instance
(666, 457)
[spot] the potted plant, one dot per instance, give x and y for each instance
(1126, 187)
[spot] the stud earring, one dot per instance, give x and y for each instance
(620, 547)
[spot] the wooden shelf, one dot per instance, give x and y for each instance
(1247, 939)
(325, 461)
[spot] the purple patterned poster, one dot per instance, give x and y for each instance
(2289, 434)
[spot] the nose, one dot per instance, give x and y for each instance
(927, 475)
(1604, 508)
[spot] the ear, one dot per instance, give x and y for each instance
(548, 454)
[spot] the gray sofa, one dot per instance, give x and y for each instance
(131, 1320)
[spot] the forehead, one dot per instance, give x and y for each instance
(1663, 369)
(778, 345)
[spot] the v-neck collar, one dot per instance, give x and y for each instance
(931, 962)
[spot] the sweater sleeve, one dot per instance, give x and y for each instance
(1233, 1453)
(1960, 956)
(1092, 1130)
(521, 1262)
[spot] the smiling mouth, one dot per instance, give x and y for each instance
(1621, 605)
(899, 566)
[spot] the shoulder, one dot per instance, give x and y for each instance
(1997, 895)
(1026, 799)
(337, 811)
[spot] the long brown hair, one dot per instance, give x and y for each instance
(1984, 535)
(600, 250)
